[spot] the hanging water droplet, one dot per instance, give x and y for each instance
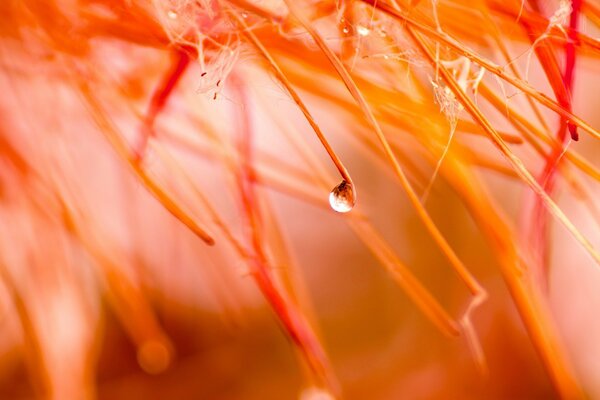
(342, 197)
(345, 30)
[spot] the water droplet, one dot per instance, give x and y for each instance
(363, 30)
(172, 14)
(244, 14)
(345, 30)
(342, 197)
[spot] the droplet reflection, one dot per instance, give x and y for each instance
(342, 197)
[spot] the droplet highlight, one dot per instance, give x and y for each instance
(342, 197)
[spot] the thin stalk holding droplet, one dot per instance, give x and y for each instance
(347, 181)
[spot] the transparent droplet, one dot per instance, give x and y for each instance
(244, 14)
(363, 30)
(342, 197)
(172, 14)
(345, 30)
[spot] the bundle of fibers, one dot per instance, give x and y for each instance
(279, 199)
